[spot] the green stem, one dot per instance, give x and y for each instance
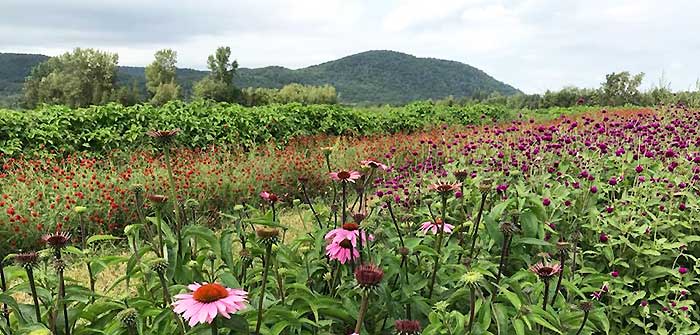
(561, 277)
(472, 307)
(268, 252)
(3, 283)
(214, 328)
(475, 233)
(32, 287)
(583, 323)
(438, 246)
(363, 311)
(62, 295)
(159, 222)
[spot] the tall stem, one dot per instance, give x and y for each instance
(159, 222)
(475, 233)
(583, 323)
(546, 294)
(311, 206)
(62, 294)
(345, 205)
(214, 328)
(561, 276)
(32, 287)
(173, 196)
(504, 254)
(3, 282)
(472, 306)
(363, 311)
(268, 252)
(167, 302)
(438, 246)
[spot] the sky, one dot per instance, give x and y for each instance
(534, 45)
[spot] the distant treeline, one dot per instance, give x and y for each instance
(619, 89)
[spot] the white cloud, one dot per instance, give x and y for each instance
(532, 44)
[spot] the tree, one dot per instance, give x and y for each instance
(165, 92)
(621, 88)
(219, 84)
(161, 71)
(221, 69)
(80, 78)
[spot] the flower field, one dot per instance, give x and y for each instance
(582, 224)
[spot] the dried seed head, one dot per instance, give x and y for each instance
(137, 189)
(163, 137)
(59, 265)
(508, 228)
(245, 254)
(461, 175)
(359, 216)
(486, 185)
(128, 318)
(403, 251)
(157, 199)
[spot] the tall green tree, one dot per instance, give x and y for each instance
(621, 88)
(79, 78)
(221, 68)
(219, 84)
(161, 71)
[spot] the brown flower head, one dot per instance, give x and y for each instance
(27, 259)
(545, 270)
(351, 226)
(444, 188)
(368, 276)
(407, 327)
(461, 175)
(586, 306)
(157, 198)
(485, 185)
(57, 240)
(163, 136)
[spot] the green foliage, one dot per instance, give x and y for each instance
(218, 85)
(304, 94)
(165, 92)
(221, 69)
(212, 89)
(161, 71)
(79, 78)
(109, 127)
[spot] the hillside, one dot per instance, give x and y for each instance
(372, 77)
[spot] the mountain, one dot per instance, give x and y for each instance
(371, 77)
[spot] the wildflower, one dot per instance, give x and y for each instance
(603, 237)
(502, 188)
(206, 301)
(545, 270)
(57, 240)
(345, 176)
(350, 232)
(368, 276)
(163, 136)
(157, 198)
(371, 163)
(612, 181)
(615, 274)
(639, 169)
(407, 327)
(268, 196)
(444, 188)
(27, 259)
(546, 201)
(461, 175)
(79, 209)
(434, 227)
(644, 303)
(471, 278)
(682, 270)
(594, 189)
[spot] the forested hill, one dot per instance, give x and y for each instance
(372, 77)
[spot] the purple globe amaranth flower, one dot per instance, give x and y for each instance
(546, 201)
(594, 189)
(639, 169)
(615, 274)
(612, 181)
(682, 270)
(644, 303)
(603, 237)
(682, 206)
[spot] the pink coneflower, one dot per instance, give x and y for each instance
(206, 301)
(345, 176)
(371, 163)
(268, 196)
(545, 270)
(368, 276)
(444, 188)
(337, 247)
(434, 227)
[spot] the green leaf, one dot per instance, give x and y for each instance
(237, 324)
(97, 238)
(519, 327)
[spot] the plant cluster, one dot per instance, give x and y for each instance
(578, 225)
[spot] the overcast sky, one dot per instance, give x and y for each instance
(533, 45)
